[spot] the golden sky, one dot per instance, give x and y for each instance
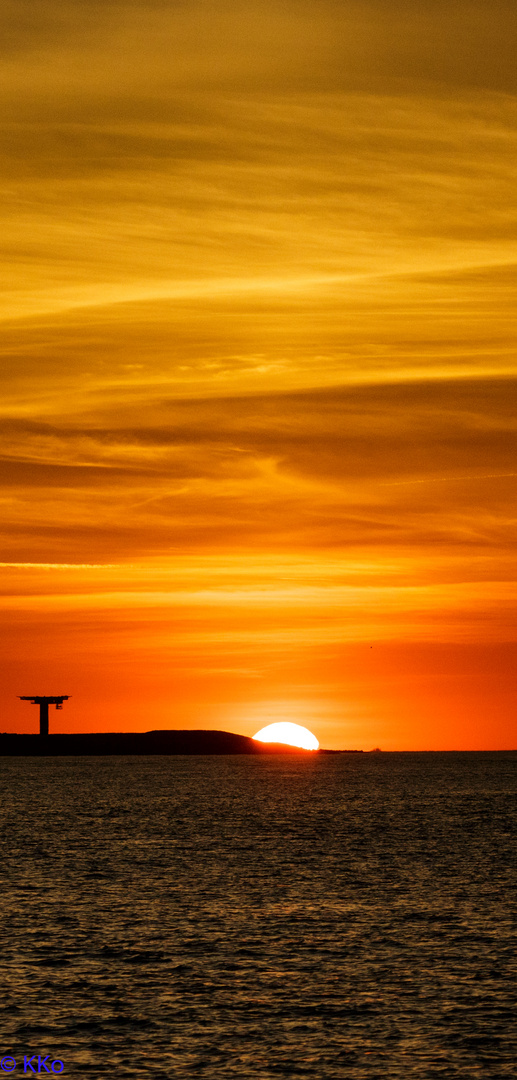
(258, 367)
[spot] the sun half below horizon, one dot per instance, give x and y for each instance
(290, 734)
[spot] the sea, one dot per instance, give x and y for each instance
(254, 917)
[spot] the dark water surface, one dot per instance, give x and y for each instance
(237, 917)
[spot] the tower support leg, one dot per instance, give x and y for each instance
(43, 718)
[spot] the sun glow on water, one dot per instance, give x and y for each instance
(290, 734)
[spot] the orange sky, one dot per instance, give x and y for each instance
(258, 367)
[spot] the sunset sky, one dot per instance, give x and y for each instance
(259, 389)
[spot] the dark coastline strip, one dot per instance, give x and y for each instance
(150, 742)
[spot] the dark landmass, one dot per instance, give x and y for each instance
(148, 742)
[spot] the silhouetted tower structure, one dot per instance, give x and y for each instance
(44, 703)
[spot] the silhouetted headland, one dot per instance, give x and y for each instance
(148, 742)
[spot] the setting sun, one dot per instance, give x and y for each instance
(291, 734)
